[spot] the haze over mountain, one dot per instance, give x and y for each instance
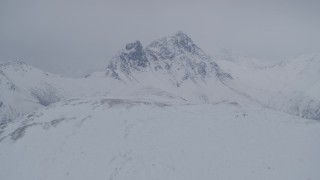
(167, 110)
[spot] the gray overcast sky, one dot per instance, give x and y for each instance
(73, 36)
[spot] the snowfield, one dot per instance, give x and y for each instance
(142, 139)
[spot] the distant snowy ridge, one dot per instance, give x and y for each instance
(172, 68)
(291, 86)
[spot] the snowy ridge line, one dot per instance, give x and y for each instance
(170, 69)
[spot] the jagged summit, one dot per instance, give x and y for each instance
(183, 41)
(177, 42)
(176, 55)
(137, 46)
(132, 58)
(181, 36)
(135, 55)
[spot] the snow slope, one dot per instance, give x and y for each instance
(300, 73)
(104, 138)
(291, 86)
(24, 89)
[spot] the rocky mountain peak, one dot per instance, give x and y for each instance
(176, 54)
(132, 57)
(136, 46)
(179, 42)
(183, 41)
(181, 36)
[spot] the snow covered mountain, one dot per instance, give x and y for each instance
(166, 111)
(172, 64)
(24, 89)
(172, 67)
(169, 68)
(291, 86)
(176, 63)
(175, 55)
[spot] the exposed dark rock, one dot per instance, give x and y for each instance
(45, 97)
(19, 133)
